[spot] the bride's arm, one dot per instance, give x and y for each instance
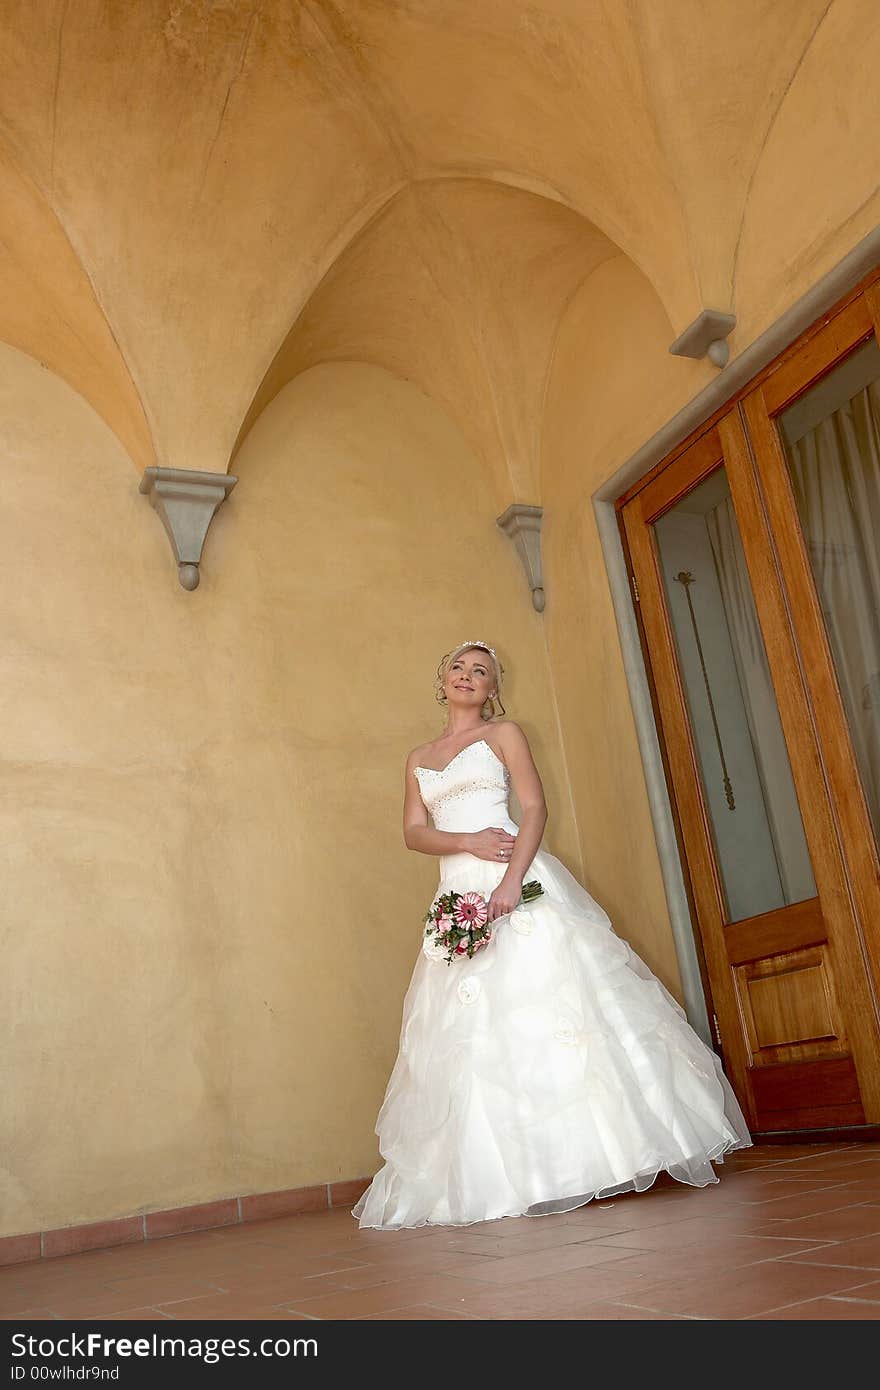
(417, 833)
(530, 794)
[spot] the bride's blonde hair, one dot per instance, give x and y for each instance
(492, 704)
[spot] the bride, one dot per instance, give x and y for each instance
(552, 1067)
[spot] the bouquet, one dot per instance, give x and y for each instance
(458, 923)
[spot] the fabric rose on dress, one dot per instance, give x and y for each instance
(521, 922)
(471, 910)
(469, 989)
(565, 1031)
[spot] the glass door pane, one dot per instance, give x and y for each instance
(831, 438)
(758, 834)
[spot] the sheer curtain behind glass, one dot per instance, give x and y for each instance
(759, 703)
(834, 464)
(757, 832)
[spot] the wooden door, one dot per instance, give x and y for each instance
(780, 946)
(814, 429)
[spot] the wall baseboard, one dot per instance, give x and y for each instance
(204, 1216)
(847, 1134)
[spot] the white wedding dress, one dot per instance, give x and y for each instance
(551, 1068)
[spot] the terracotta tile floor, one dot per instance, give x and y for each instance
(789, 1233)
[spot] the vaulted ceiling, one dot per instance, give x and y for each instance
(201, 198)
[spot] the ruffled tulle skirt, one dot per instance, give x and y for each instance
(550, 1069)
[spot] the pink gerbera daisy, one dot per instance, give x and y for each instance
(471, 910)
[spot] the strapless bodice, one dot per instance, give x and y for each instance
(469, 793)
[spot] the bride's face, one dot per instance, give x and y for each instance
(470, 679)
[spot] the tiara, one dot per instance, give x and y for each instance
(485, 645)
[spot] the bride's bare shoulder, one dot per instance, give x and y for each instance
(424, 750)
(507, 728)
(509, 737)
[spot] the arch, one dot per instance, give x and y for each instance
(805, 165)
(439, 263)
(50, 311)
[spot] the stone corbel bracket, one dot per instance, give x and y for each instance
(523, 525)
(186, 500)
(706, 337)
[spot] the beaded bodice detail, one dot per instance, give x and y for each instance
(470, 792)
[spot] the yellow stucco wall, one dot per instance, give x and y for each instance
(605, 396)
(210, 916)
(397, 266)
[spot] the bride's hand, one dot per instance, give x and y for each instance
(505, 897)
(492, 843)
